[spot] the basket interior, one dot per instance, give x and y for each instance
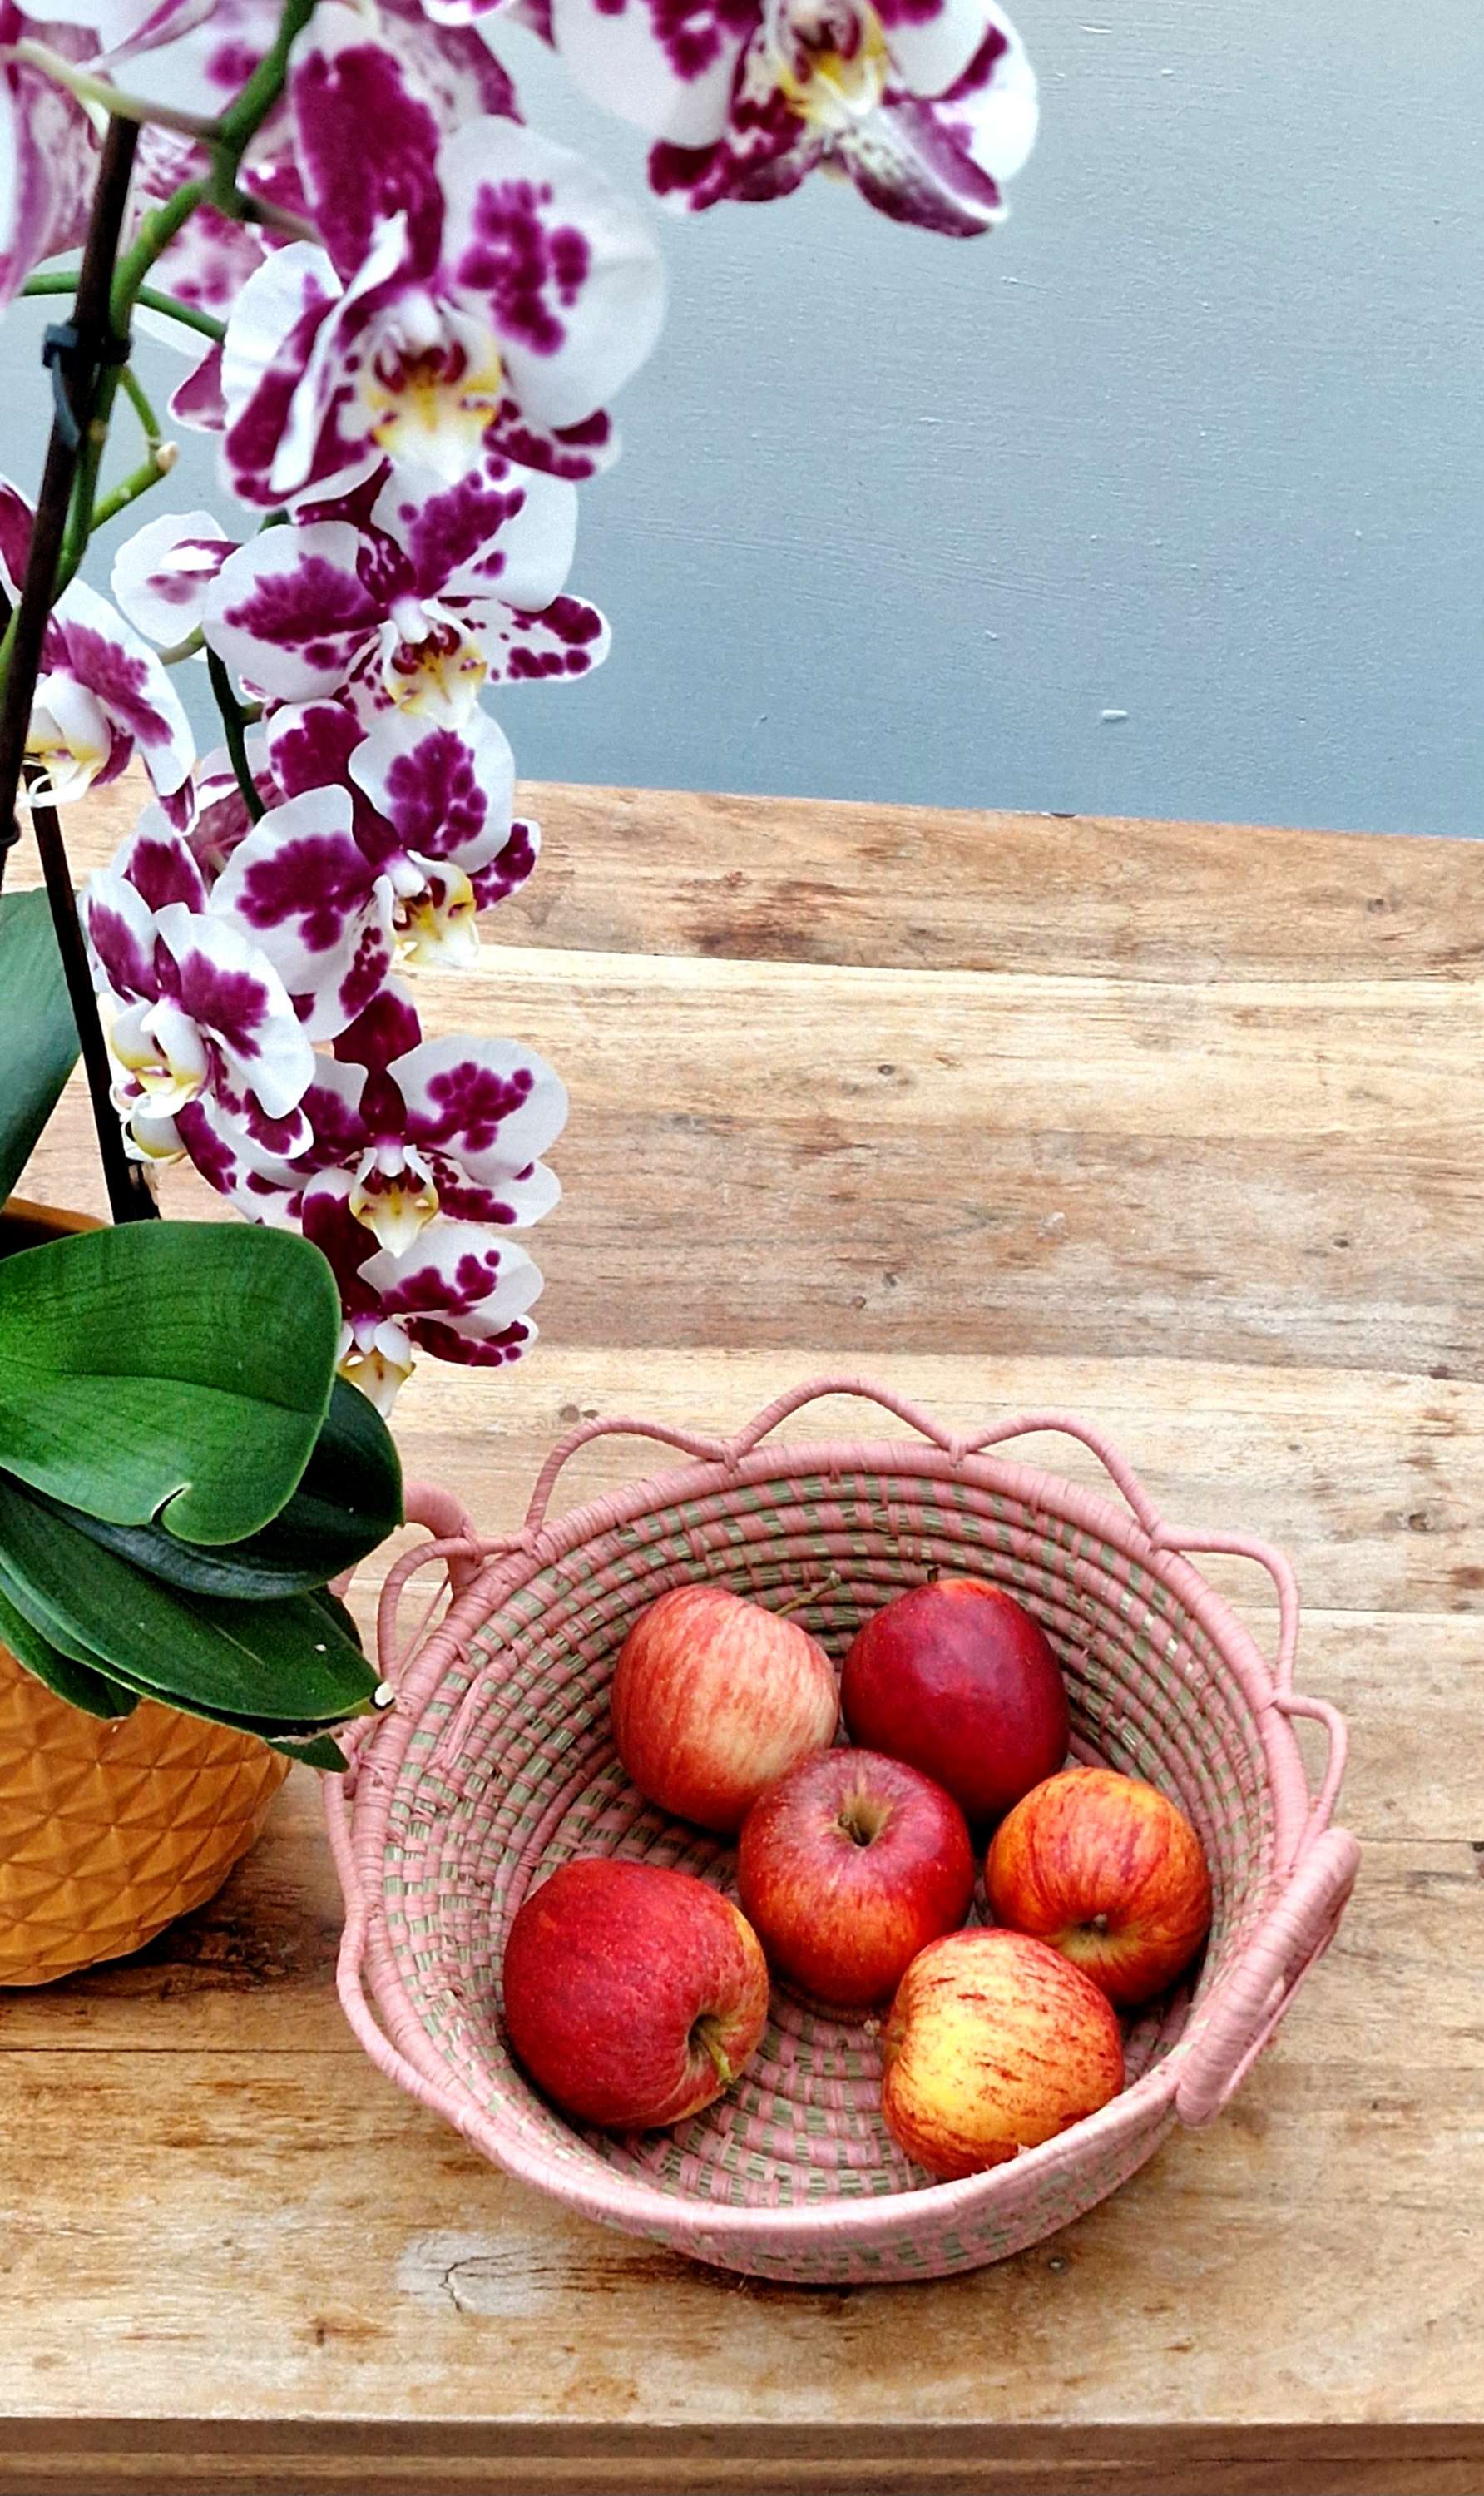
(511, 1771)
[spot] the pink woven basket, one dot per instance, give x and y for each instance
(496, 1765)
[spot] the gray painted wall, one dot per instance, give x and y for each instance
(1197, 438)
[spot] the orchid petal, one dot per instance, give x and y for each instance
(197, 402)
(158, 864)
(564, 266)
(479, 1098)
(17, 519)
(445, 793)
(288, 613)
(49, 163)
(343, 88)
(161, 574)
(302, 889)
(126, 678)
(568, 638)
(70, 740)
(502, 531)
(120, 930)
(509, 870)
(231, 990)
(659, 63)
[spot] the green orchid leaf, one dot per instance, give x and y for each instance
(285, 1668)
(76, 1683)
(322, 1753)
(38, 1036)
(349, 1501)
(179, 1370)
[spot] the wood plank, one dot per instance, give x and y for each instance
(391, 2459)
(641, 871)
(1259, 1174)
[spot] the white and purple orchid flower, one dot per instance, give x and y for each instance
(460, 1293)
(414, 603)
(101, 694)
(483, 291)
(928, 106)
(384, 848)
(405, 1129)
(197, 1011)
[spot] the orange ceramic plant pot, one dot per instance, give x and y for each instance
(109, 1830)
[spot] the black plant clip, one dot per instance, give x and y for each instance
(68, 358)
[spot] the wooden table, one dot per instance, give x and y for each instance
(1177, 1123)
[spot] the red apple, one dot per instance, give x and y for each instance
(994, 2043)
(848, 1867)
(714, 1700)
(956, 1677)
(1108, 1871)
(632, 1995)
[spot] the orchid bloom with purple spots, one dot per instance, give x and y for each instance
(197, 1009)
(386, 846)
(101, 697)
(414, 602)
(406, 314)
(416, 1128)
(928, 106)
(482, 292)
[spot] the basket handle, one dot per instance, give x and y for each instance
(457, 1544)
(1247, 2006)
(728, 1453)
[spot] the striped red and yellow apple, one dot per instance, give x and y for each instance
(1108, 1871)
(994, 2043)
(714, 1700)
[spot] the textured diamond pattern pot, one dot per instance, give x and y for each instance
(109, 1830)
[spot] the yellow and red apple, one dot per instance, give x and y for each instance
(1109, 1872)
(714, 1698)
(995, 2043)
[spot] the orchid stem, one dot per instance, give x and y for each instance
(236, 718)
(64, 281)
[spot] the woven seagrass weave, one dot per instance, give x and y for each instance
(497, 1764)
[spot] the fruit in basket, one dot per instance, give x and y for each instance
(995, 2043)
(957, 1678)
(634, 1996)
(848, 1867)
(714, 1700)
(1108, 1871)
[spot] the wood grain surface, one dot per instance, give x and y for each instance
(1177, 1124)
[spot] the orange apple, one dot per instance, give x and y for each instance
(714, 1698)
(994, 2043)
(1108, 1871)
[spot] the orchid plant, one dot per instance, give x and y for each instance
(406, 314)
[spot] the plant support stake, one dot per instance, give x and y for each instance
(76, 353)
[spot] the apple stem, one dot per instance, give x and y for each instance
(795, 1602)
(706, 2033)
